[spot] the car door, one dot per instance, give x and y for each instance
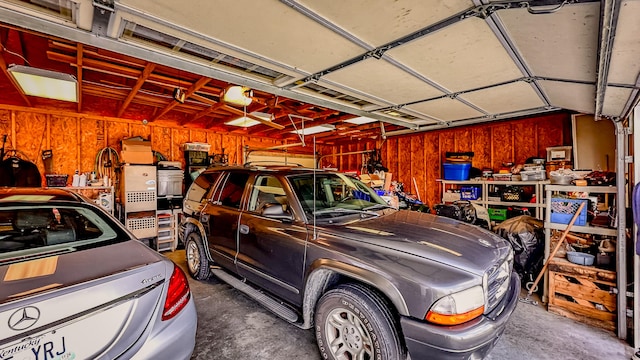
(220, 218)
(272, 244)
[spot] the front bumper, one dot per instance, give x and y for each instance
(472, 340)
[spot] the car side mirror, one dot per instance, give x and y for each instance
(276, 211)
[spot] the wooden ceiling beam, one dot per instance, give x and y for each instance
(195, 87)
(145, 75)
(5, 71)
(243, 113)
(203, 113)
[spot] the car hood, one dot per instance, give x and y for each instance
(437, 238)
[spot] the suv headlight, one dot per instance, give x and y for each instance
(457, 308)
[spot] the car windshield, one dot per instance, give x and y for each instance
(335, 195)
(28, 232)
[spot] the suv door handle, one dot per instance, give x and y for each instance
(244, 229)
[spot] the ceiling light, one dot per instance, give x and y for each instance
(237, 95)
(246, 121)
(45, 83)
(315, 129)
(360, 120)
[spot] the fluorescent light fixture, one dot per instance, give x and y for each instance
(315, 129)
(45, 83)
(246, 121)
(360, 120)
(237, 95)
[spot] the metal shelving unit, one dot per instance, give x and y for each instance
(485, 185)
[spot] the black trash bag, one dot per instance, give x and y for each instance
(526, 235)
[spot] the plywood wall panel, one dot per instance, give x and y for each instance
(482, 147)
(92, 140)
(432, 160)
(32, 139)
(549, 134)
(447, 142)
(215, 140)
(502, 140)
(391, 160)
(464, 140)
(137, 129)
(67, 151)
(197, 136)
(161, 140)
(179, 136)
(116, 131)
(230, 145)
(418, 169)
(404, 163)
(524, 133)
(5, 129)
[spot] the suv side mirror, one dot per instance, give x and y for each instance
(276, 211)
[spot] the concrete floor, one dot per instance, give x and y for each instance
(231, 326)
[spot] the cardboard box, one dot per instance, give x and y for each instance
(136, 152)
(136, 145)
(137, 157)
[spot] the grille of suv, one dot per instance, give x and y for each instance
(498, 283)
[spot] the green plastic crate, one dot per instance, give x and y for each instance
(497, 214)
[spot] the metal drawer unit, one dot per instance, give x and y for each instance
(139, 200)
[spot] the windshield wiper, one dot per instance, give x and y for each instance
(377, 206)
(344, 211)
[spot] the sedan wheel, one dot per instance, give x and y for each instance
(196, 257)
(354, 322)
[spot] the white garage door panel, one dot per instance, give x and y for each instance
(577, 97)
(445, 109)
(463, 56)
(378, 22)
(560, 45)
(381, 79)
(506, 98)
(615, 100)
(268, 28)
(625, 55)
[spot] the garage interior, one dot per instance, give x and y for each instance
(403, 84)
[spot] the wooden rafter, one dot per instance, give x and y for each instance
(5, 71)
(195, 87)
(203, 113)
(145, 75)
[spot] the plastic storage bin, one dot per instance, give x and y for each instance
(562, 210)
(533, 175)
(470, 193)
(56, 180)
(497, 214)
(456, 171)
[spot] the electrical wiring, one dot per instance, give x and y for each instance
(106, 161)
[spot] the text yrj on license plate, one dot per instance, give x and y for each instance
(49, 346)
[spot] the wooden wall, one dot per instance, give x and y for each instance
(420, 155)
(76, 139)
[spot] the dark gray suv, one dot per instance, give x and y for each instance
(323, 251)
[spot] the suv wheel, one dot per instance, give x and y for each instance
(353, 322)
(196, 257)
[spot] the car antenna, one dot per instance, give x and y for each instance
(315, 231)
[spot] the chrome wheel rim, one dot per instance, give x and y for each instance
(347, 337)
(193, 256)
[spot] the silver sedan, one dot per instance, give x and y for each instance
(75, 284)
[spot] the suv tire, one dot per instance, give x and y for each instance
(351, 319)
(197, 260)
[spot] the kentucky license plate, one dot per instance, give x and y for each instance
(50, 346)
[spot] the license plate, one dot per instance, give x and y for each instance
(50, 346)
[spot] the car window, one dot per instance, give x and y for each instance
(230, 194)
(331, 194)
(33, 229)
(267, 190)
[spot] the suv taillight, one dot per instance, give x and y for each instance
(177, 295)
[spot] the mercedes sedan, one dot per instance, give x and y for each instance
(75, 284)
